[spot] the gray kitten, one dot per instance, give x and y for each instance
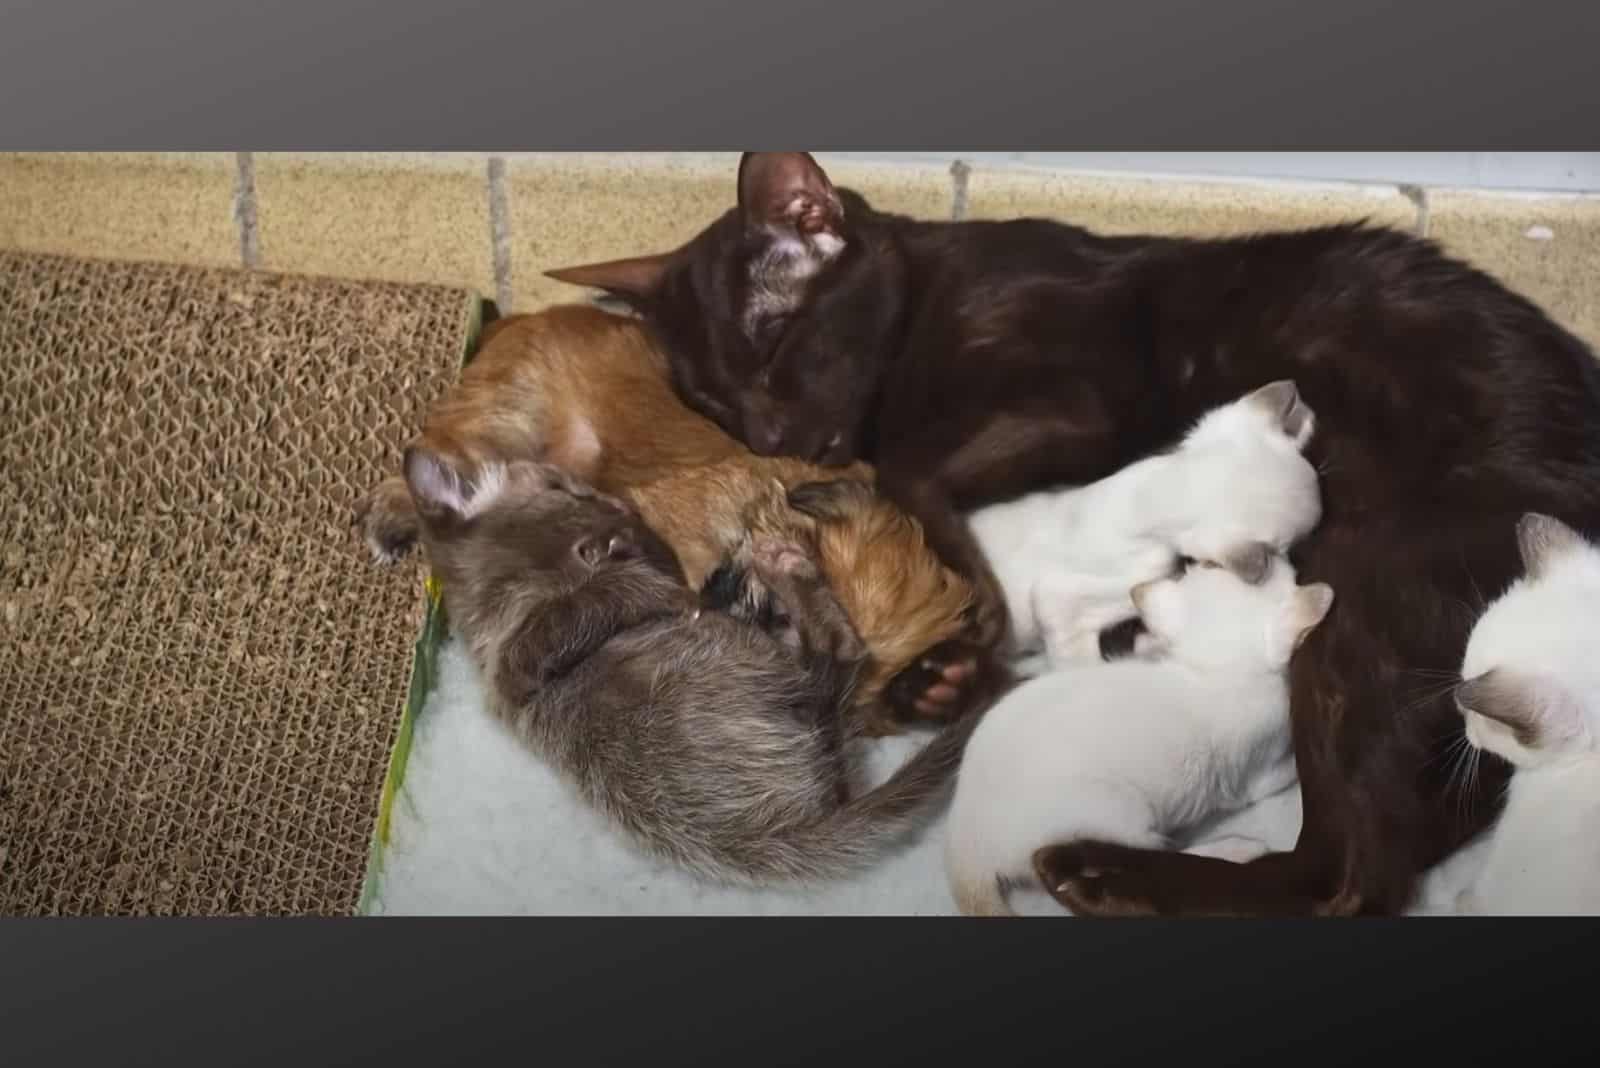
(715, 741)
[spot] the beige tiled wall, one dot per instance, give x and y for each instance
(497, 224)
(409, 219)
(121, 206)
(1199, 209)
(1547, 248)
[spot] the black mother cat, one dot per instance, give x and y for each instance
(973, 361)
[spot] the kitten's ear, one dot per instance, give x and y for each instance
(442, 492)
(632, 279)
(788, 189)
(1311, 604)
(1251, 561)
(1541, 538)
(1282, 400)
(832, 499)
(1538, 711)
(1140, 593)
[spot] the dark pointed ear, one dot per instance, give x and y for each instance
(636, 278)
(1282, 400)
(832, 499)
(1540, 539)
(788, 189)
(1251, 561)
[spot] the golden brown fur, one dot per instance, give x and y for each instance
(587, 390)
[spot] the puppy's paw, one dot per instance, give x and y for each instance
(387, 521)
(943, 684)
(779, 557)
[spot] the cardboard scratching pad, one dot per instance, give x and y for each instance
(202, 671)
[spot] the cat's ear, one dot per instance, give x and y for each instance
(1282, 400)
(440, 489)
(788, 189)
(1541, 538)
(830, 499)
(1538, 711)
(1251, 561)
(633, 279)
(1311, 604)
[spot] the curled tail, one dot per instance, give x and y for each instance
(866, 827)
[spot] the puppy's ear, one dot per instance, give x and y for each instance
(788, 190)
(1250, 561)
(1541, 539)
(830, 499)
(442, 492)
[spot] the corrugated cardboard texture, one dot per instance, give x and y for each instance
(201, 670)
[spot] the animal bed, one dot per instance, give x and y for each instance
(474, 824)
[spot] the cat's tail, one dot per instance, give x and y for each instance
(867, 827)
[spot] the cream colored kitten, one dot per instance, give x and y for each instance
(1532, 697)
(1236, 488)
(1135, 750)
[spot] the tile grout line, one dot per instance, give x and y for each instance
(500, 233)
(960, 171)
(244, 209)
(1418, 195)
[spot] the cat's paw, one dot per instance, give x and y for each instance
(1093, 879)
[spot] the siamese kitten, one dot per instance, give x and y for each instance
(1234, 489)
(716, 742)
(1136, 750)
(1531, 697)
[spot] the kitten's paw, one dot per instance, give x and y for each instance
(387, 521)
(1235, 847)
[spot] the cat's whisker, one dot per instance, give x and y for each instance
(1448, 748)
(1426, 695)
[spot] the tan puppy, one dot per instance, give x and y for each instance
(587, 390)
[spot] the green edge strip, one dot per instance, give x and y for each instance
(424, 674)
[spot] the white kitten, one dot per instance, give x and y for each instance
(1134, 751)
(1532, 697)
(1067, 558)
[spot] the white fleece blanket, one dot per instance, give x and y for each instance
(482, 827)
